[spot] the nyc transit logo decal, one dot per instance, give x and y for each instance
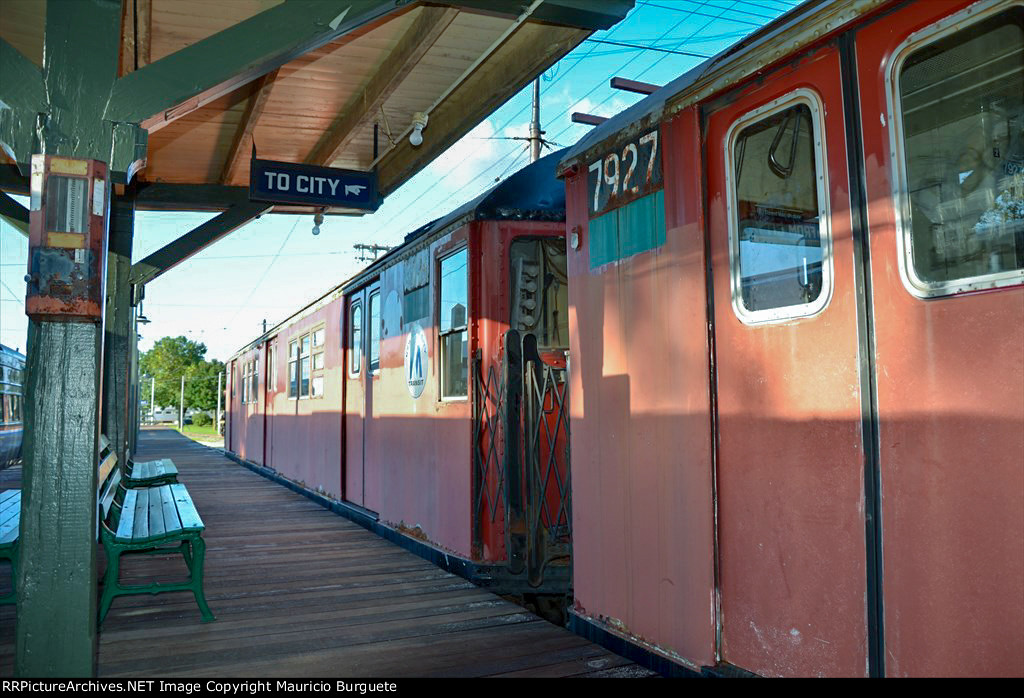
(416, 360)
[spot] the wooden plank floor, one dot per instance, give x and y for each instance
(299, 591)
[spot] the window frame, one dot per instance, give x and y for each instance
(314, 351)
(370, 296)
(355, 352)
(297, 340)
(915, 285)
(785, 313)
(441, 257)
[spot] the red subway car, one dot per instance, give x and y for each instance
(797, 351)
(425, 397)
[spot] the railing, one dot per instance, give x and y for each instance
(521, 476)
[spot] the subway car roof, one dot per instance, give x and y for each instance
(532, 193)
(780, 38)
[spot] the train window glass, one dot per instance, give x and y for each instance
(318, 337)
(961, 105)
(304, 366)
(355, 342)
(255, 377)
(453, 304)
(781, 260)
(540, 291)
(243, 381)
(374, 353)
(272, 370)
(293, 368)
(416, 305)
(5, 410)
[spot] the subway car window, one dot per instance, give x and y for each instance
(293, 369)
(254, 377)
(540, 291)
(374, 354)
(780, 243)
(319, 336)
(416, 305)
(962, 108)
(355, 339)
(304, 374)
(454, 302)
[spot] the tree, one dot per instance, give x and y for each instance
(174, 357)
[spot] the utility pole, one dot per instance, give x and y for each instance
(152, 399)
(536, 135)
(365, 250)
(264, 325)
(219, 376)
(181, 407)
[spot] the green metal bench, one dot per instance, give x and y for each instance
(145, 473)
(149, 520)
(10, 517)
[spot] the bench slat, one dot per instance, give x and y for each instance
(10, 505)
(172, 524)
(141, 529)
(127, 523)
(107, 496)
(190, 519)
(153, 469)
(11, 518)
(156, 513)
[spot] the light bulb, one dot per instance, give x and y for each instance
(416, 137)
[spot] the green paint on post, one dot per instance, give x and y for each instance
(119, 332)
(637, 227)
(57, 585)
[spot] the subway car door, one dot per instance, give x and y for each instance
(355, 397)
(942, 103)
(269, 395)
(792, 572)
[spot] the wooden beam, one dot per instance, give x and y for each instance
(184, 81)
(177, 251)
(362, 109)
(581, 14)
(23, 96)
(14, 213)
(243, 137)
(530, 50)
(136, 24)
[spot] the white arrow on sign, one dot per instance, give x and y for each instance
(354, 189)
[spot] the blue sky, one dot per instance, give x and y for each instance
(275, 265)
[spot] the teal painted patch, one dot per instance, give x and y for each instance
(628, 230)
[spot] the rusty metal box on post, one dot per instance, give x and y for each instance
(67, 239)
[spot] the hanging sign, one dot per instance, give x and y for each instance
(416, 360)
(293, 183)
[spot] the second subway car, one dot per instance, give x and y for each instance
(397, 392)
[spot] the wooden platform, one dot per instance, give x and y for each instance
(301, 592)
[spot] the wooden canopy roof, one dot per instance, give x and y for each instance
(455, 61)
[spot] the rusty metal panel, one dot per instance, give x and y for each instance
(641, 446)
(67, 239)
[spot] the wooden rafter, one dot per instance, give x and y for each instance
(530, 50)
(243, 137)
(364, 106)
(136, 25)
